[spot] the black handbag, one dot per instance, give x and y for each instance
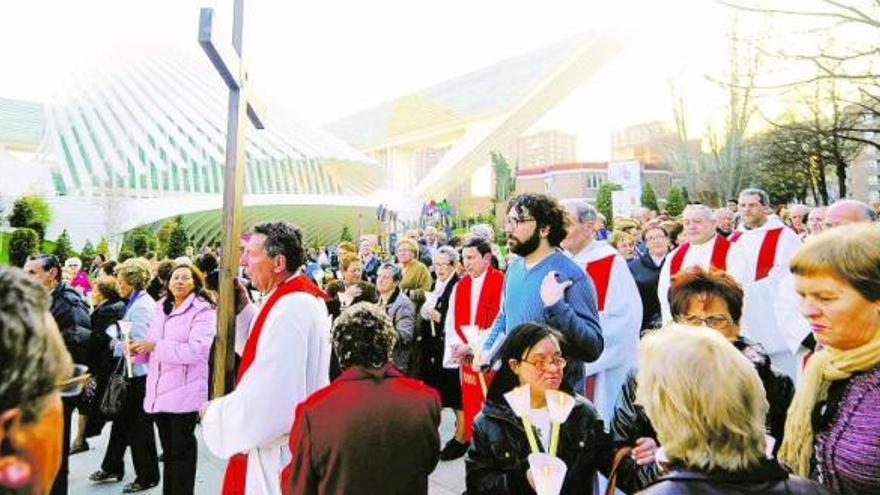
(117, 390)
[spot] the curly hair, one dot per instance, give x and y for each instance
(107, 287)
(363, 335)
(33, 359)
(135, 271)
(547, 213)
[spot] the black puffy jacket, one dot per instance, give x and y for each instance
(630, 421)
(103, 317)
(71, 313)
(497, 459)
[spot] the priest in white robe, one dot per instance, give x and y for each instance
(285, 349)
(759, 261)
(618, 301)
(705, 248)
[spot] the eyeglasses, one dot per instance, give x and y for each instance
(74, 385)
(718, 322)
(442, 264)
(516, 221)
(545, 363)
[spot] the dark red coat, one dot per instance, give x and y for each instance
(369, 431)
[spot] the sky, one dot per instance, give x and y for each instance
(321, 60)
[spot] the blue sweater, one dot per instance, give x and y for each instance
(574, 315)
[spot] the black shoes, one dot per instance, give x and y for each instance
(101, 476)
(453, 450)
(137, 486)
(79, 449)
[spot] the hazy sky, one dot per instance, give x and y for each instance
(325, 59)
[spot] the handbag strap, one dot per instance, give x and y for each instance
(612, 476)
(120, 370)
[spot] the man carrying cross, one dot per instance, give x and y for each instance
(285, 356)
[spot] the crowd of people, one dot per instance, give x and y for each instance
(729, 350)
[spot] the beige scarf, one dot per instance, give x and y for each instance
(825, 367)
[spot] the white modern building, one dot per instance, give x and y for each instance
(147, 142)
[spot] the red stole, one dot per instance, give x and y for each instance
(718, 260)
(767, 255)
(236, 468)
(600, 272)
(488, 307)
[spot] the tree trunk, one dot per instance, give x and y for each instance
(823, 184)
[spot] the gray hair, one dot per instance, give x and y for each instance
(584, 212)
(396, 273)
(135, 271)
(705, 210)
(448, 251)
(754, 191)
(34, 357)
(282, 238)
(483, 231)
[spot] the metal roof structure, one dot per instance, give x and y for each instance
(148, 137)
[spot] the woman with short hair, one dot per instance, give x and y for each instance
(132, 427)
(624, 243)
(401, 310)
(109, 308)
(35, 363)
(708, 405)
(833, 428)
(431, 337)
(697, 298)
(371, 430)
(645, 269)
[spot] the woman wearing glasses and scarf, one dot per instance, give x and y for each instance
(33, 370)
(497, 460)
(697, 298)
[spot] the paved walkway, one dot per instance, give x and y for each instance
(447, 479)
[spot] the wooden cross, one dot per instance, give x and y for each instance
(241, 103)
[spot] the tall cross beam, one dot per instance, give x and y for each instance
(242, 105)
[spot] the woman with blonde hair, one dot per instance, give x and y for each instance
(833, 428)
(707, 405)
(624, 243)
(132, 427)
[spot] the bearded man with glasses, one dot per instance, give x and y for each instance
(543, 285)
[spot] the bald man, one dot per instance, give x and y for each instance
(847, 211)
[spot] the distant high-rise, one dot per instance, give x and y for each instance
(541, 149)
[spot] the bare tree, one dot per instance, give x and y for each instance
(111, 202)
(727, 144)
(827, 43)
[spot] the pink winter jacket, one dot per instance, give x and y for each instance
(177, 372)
